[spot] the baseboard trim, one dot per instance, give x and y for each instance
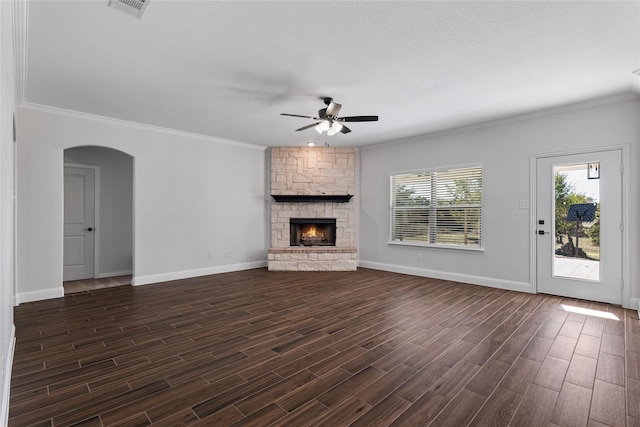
(113, 274)
(186, 274)
(39, 295)
(6, 385)
(445, 275)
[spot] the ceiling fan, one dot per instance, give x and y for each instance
(329, 120)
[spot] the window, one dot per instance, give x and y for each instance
(441, 207)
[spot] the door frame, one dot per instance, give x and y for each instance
(96, 214)
(626, 163)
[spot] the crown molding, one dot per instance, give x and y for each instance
(20, 38)
(622, 97)
(134, 125)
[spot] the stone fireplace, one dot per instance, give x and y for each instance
(312, 213)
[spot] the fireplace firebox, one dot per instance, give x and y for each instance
(313, 231)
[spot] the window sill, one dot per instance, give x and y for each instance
(439, 246)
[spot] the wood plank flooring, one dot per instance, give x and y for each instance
(365, 348)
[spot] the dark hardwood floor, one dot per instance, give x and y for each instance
(365, 348)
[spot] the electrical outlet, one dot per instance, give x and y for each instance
(419, 256)
(227, 253)
(210, 255)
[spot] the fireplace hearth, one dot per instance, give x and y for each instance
(313, 231)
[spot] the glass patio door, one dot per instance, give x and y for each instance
(579, 226)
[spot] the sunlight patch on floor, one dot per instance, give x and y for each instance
(590, 312)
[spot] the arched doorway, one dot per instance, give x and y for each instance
(98, 218)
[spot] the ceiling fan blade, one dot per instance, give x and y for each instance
(307, 126)
(359, 119)
(333, 109)
(298, 115)
(345, 129)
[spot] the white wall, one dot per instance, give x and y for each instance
(114, 231)
(194, 198)
(7, 108)
(504, 149)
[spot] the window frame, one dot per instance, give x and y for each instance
(425, 244)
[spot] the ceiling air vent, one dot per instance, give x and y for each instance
(131, 7)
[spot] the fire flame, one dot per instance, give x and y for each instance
(312, 232)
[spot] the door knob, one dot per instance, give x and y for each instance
(88, 229)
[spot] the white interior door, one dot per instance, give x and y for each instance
(571, 190)
(79, 217)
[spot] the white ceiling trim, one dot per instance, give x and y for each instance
(141, 126)
(20, 45)
(512, 119)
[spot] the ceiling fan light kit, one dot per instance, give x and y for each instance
(329, 121)
(335, 128)
(324, 125)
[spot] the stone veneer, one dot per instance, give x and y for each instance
(312, 171)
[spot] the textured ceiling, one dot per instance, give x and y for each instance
(228, 69)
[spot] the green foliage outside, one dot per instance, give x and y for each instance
(566, 195)
(465, 192)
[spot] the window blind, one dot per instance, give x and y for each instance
(437, 207)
